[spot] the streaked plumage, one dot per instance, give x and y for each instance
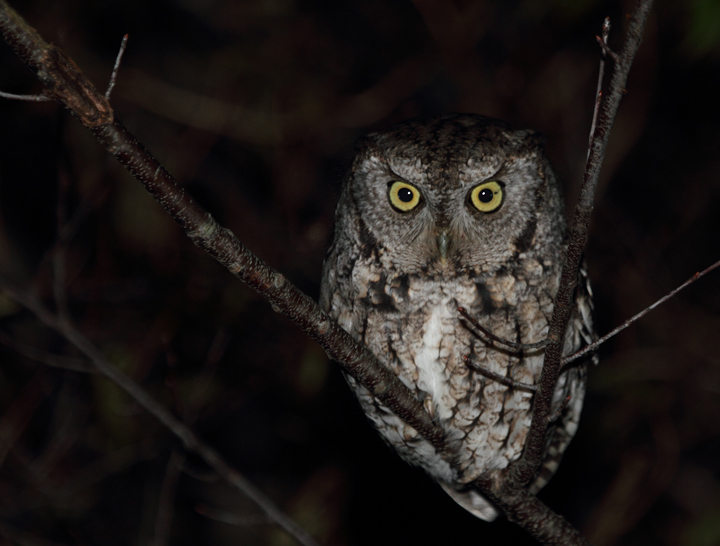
(459, 210)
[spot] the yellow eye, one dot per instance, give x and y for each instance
(487, 197)
(403, 196)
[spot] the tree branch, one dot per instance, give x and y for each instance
(521, 472)
(530, 513)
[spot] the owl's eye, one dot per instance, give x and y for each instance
(487, 197)
(403, 196)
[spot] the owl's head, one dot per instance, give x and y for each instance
(459, 191)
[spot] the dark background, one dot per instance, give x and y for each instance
(254, 106)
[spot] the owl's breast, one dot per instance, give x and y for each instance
(413, 324)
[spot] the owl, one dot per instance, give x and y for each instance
(458, 211)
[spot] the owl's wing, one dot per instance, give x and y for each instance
(581, 333)
(583, 322)
(472, 501)
(340, 287)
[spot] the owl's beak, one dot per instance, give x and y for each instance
(443, 244)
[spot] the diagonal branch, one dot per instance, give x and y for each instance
(523, 470)
(65, 83)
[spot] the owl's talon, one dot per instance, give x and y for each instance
(409, 433)
(429, 407)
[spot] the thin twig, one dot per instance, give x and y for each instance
(118, 60)
(189, 438)
(522, 471)
(28, 98)
(503, 380)
(595, 344)
(517, 347)
(601, 77)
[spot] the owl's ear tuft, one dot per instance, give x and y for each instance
(532, 139)
(367, 145)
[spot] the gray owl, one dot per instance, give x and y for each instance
(437, 214)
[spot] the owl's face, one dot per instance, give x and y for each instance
(456, 192)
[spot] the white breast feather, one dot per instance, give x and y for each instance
(431, 368)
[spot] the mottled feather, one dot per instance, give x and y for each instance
(394, 280)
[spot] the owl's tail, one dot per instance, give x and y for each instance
(472, 501)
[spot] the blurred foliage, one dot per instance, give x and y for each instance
(703, 35)
(254, 106)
